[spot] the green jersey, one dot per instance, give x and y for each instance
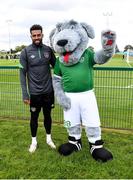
(78, 77)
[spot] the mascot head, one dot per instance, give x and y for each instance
(70, 39)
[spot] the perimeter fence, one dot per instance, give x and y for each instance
(113, 89)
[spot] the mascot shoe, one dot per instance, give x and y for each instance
(99, 153)
(73, 145)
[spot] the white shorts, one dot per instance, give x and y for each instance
(83, 110)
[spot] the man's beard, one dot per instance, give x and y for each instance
(37, 44)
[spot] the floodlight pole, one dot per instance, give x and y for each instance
(107, 15)
(9, 21)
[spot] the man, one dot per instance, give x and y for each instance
(35, 74)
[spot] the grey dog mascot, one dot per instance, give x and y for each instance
(73, 84)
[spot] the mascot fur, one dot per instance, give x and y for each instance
(73, 84)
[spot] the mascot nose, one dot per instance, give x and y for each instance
(62, 42)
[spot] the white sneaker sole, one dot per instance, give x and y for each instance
(32, 148)
(51, 144)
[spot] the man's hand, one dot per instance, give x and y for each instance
(27, 101)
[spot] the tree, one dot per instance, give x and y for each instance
(128, 47)
(116, 49)
(19, 48)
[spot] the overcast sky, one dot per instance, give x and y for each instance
(16, 17)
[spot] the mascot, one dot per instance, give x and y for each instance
(73, 84)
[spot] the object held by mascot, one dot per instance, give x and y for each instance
(73, 84)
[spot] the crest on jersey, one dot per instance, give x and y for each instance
(33, 109)
(46, 54)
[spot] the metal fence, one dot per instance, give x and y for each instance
(113, 89)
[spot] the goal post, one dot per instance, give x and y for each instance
(129, 56)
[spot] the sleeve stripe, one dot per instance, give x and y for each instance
(57, 76)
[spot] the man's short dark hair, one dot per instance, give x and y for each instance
(35, 27)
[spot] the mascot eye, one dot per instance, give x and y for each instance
(72, 27)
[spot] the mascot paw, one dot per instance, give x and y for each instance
(72, 146)
(65, 102)
(108, 38)
(99, 153)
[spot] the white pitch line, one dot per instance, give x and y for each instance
(9, 83)
(116, 87)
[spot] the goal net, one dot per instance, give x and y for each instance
(129, 56)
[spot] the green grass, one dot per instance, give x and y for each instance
(17, 163)
(115, 105)
(5, 62)
(114, 100)
(115, 61)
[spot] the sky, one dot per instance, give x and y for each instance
(16, 18)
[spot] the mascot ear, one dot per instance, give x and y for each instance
(51, 36)
(89, 30)
(59, 25)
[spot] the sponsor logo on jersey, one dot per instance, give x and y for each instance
(32, 56)
(82, 60)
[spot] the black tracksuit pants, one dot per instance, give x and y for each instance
(38, 102)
